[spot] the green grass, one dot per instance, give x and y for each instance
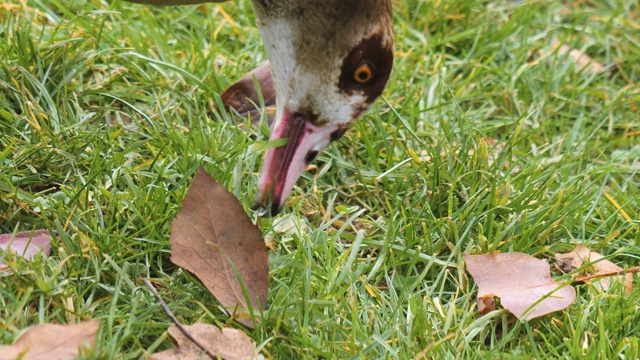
(107, 109)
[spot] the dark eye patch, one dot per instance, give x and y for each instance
(379, 57)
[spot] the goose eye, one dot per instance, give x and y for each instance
(363, 74)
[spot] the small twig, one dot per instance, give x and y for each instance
(607, 274)
(175, 321)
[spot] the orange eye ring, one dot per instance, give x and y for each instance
(363, 74)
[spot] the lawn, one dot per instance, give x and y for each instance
(490, 136)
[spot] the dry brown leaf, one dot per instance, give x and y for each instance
(520, 281)
(228, 344)
(213, 238)
(52, 341)
(582, 255)
(486, 304)
(581, 59)
(26, 243)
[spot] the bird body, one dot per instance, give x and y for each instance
(329, 60)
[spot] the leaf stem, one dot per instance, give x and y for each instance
(175, 320)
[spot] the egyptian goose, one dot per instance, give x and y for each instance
(329, 61)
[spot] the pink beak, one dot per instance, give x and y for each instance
(285, 164)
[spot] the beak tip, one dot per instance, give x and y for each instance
(275, 209)
(267, 210)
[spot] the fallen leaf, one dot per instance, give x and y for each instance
(228, 344)
(26, 244)
(213, 238)
(52, 341)
(583, 60)
(522, 282)
(486, 303)
(581, 256)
